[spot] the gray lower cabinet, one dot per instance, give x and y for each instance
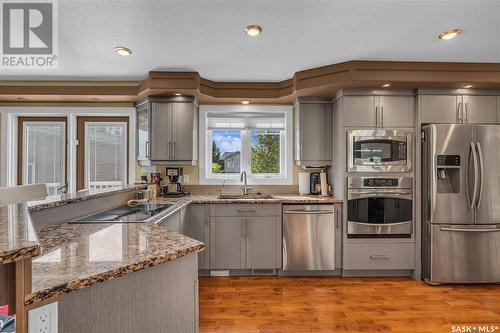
(378, 255)
(172, 223)
(198, 228)
(245, 242)
(227, 243)
(263, 242)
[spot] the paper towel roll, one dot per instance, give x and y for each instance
(324, 184)
(304, 183)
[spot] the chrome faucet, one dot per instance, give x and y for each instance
(243, 178)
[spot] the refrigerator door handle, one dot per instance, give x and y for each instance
(469, 229)
(481, 174)
(473, 152)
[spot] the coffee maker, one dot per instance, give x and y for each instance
(173, 188)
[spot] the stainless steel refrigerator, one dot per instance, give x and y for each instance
(461, 203)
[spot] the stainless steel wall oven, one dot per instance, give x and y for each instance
(379, 207)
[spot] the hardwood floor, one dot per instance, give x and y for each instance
(334, 304)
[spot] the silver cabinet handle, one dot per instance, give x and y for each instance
(243, 228)
(337, 218)
(245, 210)
(481, 174)
(173, 150)
(460, 112)
(376, 116)
(469, 230)
(380, 257)
(466, 112)
(381, 116)
(247, 229)
(169, 149)
(147, 148)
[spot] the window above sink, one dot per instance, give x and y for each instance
(252, 138)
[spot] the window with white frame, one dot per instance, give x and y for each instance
(255, 139)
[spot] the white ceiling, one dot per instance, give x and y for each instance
(207, 36)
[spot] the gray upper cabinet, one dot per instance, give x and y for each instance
(160, 132)
(263, 250)
(453, 109)
(439, 108)
(359, 111)
(167, 130)
(479, 109)
(198, 227)
(313, 132)
(378, 111)
(396, 111)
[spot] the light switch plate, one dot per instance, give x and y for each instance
(43, 319)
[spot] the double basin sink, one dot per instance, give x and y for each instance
(245, 196)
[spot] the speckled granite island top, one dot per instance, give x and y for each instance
(17, 236)
(76, 256)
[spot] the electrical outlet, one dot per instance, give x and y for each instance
(186, 178)
(43, 319)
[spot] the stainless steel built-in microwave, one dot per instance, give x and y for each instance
(380, 150)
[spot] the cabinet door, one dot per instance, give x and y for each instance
(396, 111)
(314, 132)
(172, 223)
(160, 131)
(142, 146)
(198, 228)
(480, 109)
(183, 129)
(338, 235)
(439, 109)
(227, 246)
(359, 111)
(263, 242)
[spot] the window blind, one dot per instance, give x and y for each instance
(251, 120)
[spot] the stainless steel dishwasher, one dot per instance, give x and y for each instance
(308, 237)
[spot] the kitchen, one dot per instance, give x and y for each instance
(148, 188)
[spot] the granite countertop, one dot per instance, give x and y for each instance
(64, 199)
(276, 199)
(76, 256)
(17, 237)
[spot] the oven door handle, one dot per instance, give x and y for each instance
(380, 224)
(380, 193)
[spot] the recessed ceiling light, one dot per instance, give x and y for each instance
(253, 30)
(386, 85)
(122, 50)
(245, 102)
(178, 94)
(22, 99)
(452, 33)
(467, 86)
(95, 99)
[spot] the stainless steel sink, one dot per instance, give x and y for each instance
(247, 196)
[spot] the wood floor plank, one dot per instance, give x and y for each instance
(341, 305)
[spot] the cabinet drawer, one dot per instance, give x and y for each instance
(246, 210)
(376, 255)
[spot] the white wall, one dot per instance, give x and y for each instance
(8, 136)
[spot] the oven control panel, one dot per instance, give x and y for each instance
(380, 182)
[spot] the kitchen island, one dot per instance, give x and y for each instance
(101, 277)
